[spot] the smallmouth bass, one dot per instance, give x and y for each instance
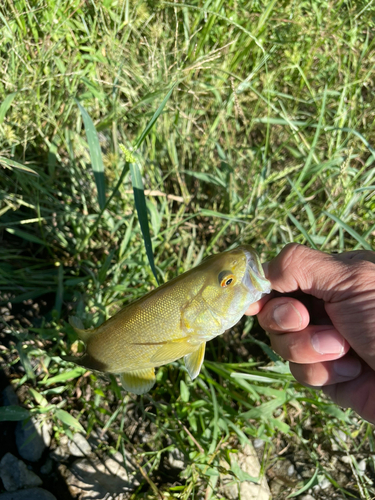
(175, 320)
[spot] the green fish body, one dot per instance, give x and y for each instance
(175, 320)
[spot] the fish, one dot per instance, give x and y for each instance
(175, 320)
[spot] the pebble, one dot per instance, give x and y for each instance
(258, 443)
(324, 483)
(176, 459)
(32, 438)
(29, 494)
(307, 497)
(291, 470)
(341, 436)
(362, 467)
(15, 475)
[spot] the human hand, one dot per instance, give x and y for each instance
(321, 318)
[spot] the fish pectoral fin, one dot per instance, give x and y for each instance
(78, 327)
(172, 350)
(138, 381)
(193, 361)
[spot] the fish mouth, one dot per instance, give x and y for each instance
(254, 277)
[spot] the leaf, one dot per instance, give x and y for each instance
(38, 398)
(95, 154)
(140, 205)
(205, 177)
(63, 377)
(184, 391)
(251, 376)
(25, 361)
(8, 163)
(67, 419)
(242, 475)
(5, 105)
(13, 413)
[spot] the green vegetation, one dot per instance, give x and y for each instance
(263, 121)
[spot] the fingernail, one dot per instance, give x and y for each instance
(347, 367)
(287, 317)
(325, 343)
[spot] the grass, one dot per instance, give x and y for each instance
(248, 122)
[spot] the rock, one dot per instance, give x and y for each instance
(308, 497)
(79, 447)
(10, 397)
(32, 438)
(15, 475)
(101, 478)
(29, 494)
(244, 464)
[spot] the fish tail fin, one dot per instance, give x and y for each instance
(78, 327)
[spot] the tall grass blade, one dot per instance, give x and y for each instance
(95, 154)
(139, 195)
(26, 236)
(302, 230)
(308, 485)
(5, 105)
(140, 205)
(156, 115)
(306, 166)
(8, 163)
(349, 230)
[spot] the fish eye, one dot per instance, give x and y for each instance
(226, 278)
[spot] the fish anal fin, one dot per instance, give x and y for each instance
(194, 360)
(170, 351)
(78, 327)
(138, 381)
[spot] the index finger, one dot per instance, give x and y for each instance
(322, 275)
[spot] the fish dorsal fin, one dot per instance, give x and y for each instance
(138, 381)
(172, 350)
(78, 327)
(193, 361)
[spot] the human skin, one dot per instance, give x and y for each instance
(321, 318)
